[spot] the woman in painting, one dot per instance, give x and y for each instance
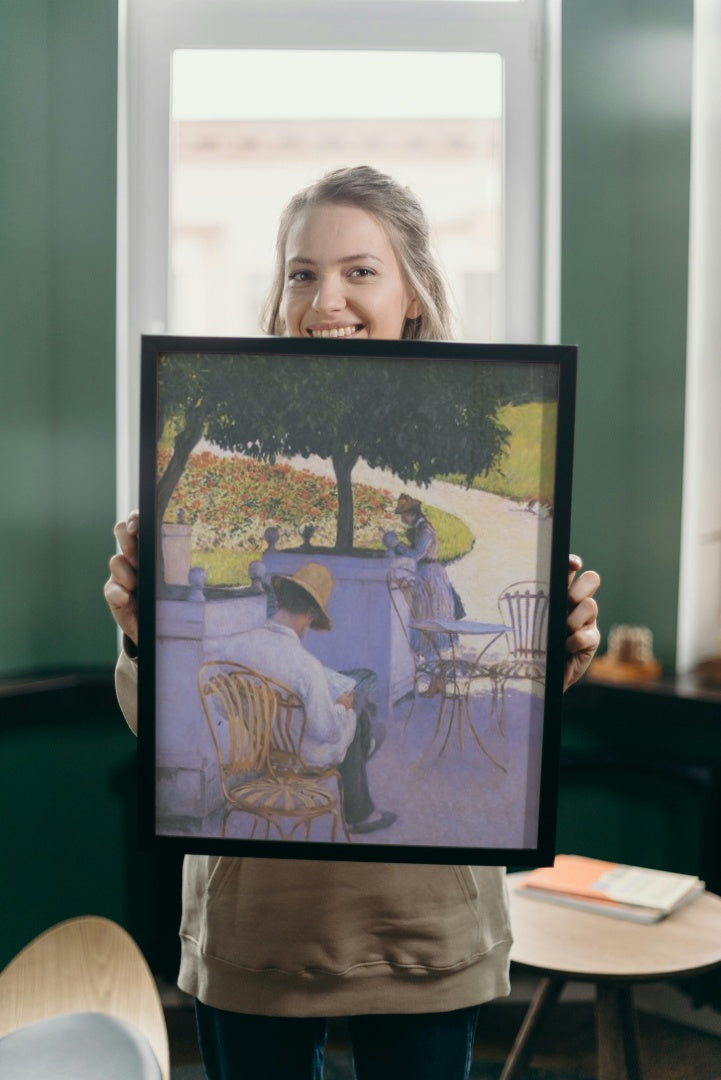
(435, 596)
(423, 547)
(272, 948)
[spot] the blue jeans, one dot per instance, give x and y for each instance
(414, 1046)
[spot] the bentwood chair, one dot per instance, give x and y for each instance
(257, 726)
(524, 607)
(412, 601)
(80, 1001)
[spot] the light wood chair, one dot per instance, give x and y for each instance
(79, 968)
(257, 726)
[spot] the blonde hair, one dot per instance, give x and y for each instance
(403, 217)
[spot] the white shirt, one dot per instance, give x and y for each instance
(277, 651)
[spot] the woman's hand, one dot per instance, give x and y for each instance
(583, 636)
(121, 587)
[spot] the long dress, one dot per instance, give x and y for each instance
(423, 547)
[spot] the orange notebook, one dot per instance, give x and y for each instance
(631, 892)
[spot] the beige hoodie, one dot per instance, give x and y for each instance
(283, 937)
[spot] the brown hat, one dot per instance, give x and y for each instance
(317, 581)
(407, 505)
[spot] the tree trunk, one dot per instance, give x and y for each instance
(183, 445)
(343, 465)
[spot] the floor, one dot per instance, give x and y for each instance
(670, 1051)
(456, 774)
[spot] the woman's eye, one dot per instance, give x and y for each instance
(362, 272)
(300, 276)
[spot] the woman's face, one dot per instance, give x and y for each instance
(342, 277)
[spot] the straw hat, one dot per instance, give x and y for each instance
(317, 581)
(407, 505)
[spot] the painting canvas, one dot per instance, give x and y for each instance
(353, 573)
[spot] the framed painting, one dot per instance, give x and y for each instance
(352, 597)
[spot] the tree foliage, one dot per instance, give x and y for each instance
(417, 417)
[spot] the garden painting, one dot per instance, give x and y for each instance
(352, 583)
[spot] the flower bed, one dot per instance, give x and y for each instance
(230, 501)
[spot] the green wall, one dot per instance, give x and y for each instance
(67, 771)
(58, 73)
(69, 798)
(625, 200)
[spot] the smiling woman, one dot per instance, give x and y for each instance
(353, 259)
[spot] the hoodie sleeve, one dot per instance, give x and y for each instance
(126, 688)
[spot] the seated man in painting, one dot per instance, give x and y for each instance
(339, 729)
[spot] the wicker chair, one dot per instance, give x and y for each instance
(412, 601)
(257, 727)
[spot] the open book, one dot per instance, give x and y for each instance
(607, 888)
(338, 683)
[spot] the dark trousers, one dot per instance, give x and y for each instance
(357, 802)
(415, 1046)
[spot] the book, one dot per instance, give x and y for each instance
(338, 683)
(615, 889)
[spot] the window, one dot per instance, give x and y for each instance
(227, 107)
(235, 161)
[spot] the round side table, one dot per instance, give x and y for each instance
(563, 944)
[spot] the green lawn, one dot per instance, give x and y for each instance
(454, 536)
(228, 566)
(526, 468)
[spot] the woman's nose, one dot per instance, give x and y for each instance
(329, 296)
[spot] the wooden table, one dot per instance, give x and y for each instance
(563, 944)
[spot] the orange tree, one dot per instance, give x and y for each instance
(418, 419)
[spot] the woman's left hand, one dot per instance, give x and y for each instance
(583, 636)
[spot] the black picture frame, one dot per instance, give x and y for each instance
(459, 749)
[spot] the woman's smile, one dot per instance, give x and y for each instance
(334, 331)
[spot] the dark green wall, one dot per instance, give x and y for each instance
(58, 74)
(67, 786)
(69, 801)
(66, 760)
(625, 202)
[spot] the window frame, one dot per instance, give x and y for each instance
(525, 34)
(698, 632)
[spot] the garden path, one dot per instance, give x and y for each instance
(511, 542)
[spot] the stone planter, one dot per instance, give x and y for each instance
(189, 632)
(176, 541)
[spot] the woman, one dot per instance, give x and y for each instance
(424, 549)
(433, 595)
(271, 948)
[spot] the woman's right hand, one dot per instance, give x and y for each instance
(121, 587)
